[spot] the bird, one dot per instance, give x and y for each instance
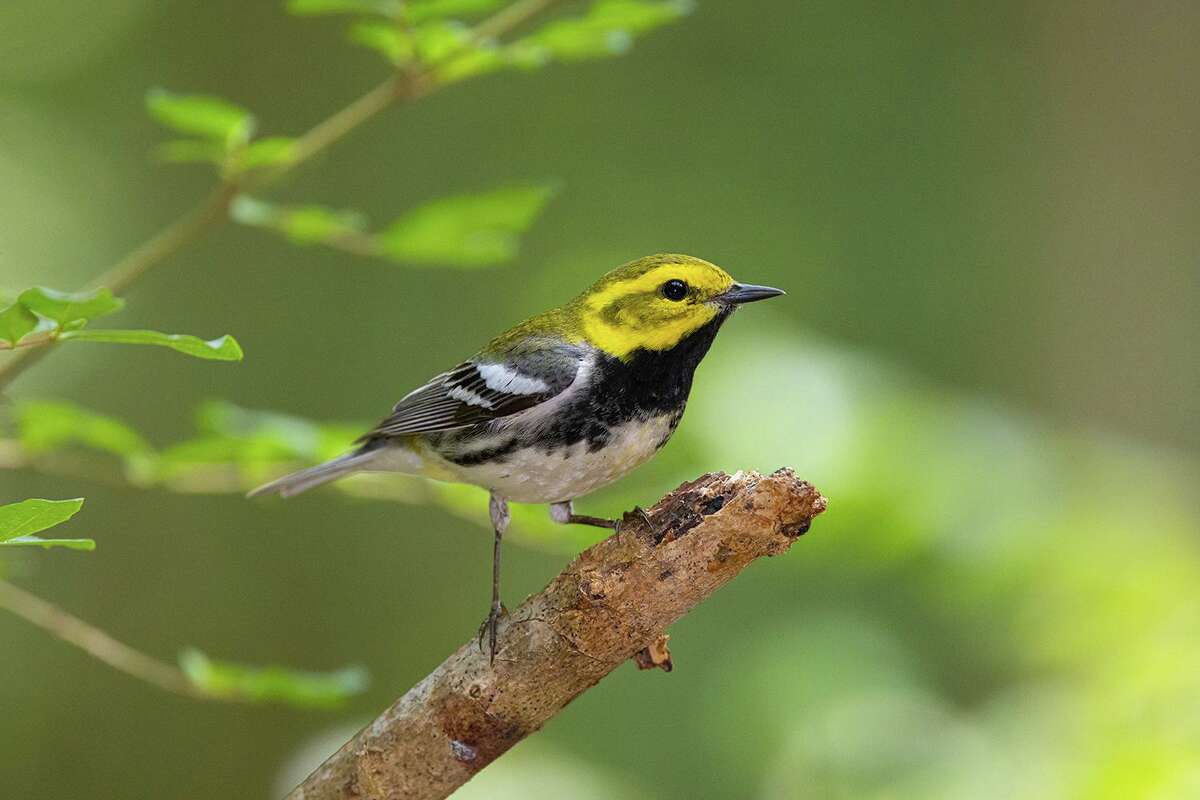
(560, 405)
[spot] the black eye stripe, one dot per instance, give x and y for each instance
(674, 289)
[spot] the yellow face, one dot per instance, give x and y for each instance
(652, 303)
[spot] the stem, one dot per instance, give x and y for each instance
(212, 211)
(29, 341)
(508, 18)
(208, 213)
(337, 126)
(96, 642)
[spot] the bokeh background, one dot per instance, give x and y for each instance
(986, 218)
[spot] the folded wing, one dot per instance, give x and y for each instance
(483, 390)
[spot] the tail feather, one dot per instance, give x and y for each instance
(312, 477)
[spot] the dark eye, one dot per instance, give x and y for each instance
(674, 289)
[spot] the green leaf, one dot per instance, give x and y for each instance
(15, 322)
(310, 224)
(309, 8)
(252, 445)
(637, 16)
(224, 348)
(46, 544)
(467, 230)
(230, 432)
(293, 435)
(48, 425)
(65, 308)
(422, 10)
(191, 151)
(30, 516)
(606, 29)
(272, 684)
(201, 115)
(269, 152)
(440, 39)
(385, 38)
(472, 63)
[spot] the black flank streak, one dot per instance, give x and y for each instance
(496, 453)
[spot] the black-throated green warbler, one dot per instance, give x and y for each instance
(562, 404)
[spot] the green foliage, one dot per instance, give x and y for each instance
(412, 11)
(19, 521)
(16, 321)
(235, 449)
(210, 118)
(272, 684)
(70, 308)
(224, 133)
(467, 230)
(45, 426)
(426, 34)
(305, 8)
(223, 348)
(31, 516)
(608, 28)
(422, 10)
(47, 544)
(439, 39)
(301, 224)
(272, 151)
(61, 316)
(385, 38)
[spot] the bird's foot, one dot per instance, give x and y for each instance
(639, 512)
(490, 626)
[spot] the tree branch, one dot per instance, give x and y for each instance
(610, 604)
(96, 642)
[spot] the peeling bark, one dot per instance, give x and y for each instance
(612, 603)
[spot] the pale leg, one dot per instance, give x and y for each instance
(500, 518)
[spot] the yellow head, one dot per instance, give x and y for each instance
(657, 301)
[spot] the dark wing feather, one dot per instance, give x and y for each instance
(483, 390)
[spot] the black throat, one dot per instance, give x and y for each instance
(652, 382)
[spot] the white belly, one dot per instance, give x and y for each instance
(531, 476)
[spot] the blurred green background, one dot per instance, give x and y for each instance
(986, 218)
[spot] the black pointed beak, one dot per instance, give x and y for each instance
(748, 293)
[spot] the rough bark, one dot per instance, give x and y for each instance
(612, 603)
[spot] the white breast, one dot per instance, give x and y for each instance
(530, 475)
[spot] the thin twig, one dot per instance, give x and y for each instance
(508, 18)
(210, 211)
(609, 604)
(96, 642)
(29, 341)
(213, 210)
(337, 126)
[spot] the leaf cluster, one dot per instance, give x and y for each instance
(464, 230)
(424, 37)
(20, 521)
(219, 133)
(41, 316)
(235, 449)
